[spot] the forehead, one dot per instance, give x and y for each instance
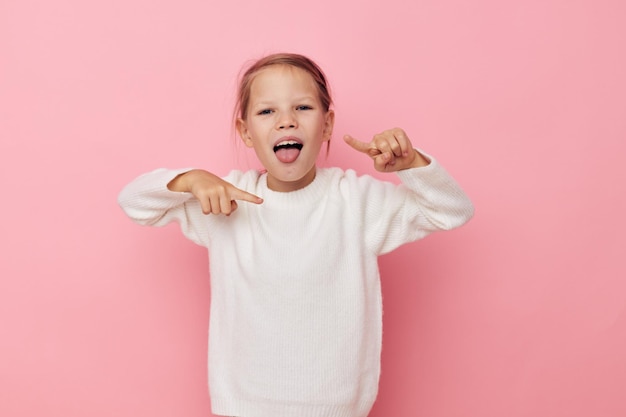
(282, 79)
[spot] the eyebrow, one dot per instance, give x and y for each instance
(269, 102)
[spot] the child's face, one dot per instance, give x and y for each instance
(286, 125)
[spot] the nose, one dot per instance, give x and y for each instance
(287, 121)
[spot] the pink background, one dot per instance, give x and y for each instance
(520, 313)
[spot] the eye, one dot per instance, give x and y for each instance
(264, 112)
(304, 107)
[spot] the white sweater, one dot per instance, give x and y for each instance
(296, 308)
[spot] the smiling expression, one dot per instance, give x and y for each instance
(286, 125)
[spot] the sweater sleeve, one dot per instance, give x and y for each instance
(428, 200)
(147, 201)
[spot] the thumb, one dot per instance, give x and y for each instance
(357, 144)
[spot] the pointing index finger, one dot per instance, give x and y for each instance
(242, 195)
(357, 144)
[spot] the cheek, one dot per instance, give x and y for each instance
(260, 126)
(253, 131)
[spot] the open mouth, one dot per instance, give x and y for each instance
(287, 151)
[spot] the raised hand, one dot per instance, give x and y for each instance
(215, 195)
(391, 151)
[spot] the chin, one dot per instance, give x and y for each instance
(295, 177)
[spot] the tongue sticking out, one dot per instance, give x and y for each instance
(287, 153)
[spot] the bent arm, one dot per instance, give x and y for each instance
(147, 201)
(440, 198)
(428, 200)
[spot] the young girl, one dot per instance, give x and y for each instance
(296, 308)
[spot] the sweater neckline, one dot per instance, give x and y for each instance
(310, 194)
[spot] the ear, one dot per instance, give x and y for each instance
(244, 133)
(329, 123)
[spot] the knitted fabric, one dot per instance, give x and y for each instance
(296, 306)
